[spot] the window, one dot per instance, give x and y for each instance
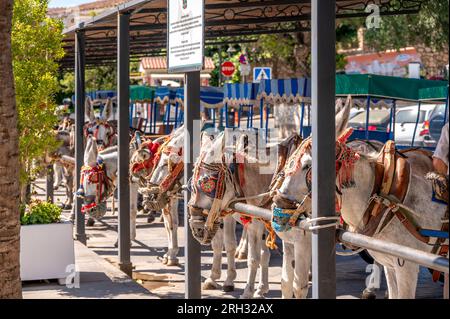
(410, 116)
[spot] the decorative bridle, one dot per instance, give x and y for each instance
(94, 128)
(346, 159)
(95, 175)
(213, 186)
(146, 164)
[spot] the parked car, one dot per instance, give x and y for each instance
(378, 120)
(436, 122)
(405, 122)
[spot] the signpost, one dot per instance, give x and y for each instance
(227, 69)
(185, 43)
(185, 35)
(261, 73)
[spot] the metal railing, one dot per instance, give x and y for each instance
(425, 259)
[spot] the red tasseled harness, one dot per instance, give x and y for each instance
(96, 175)
(153, 148)
(109, 135)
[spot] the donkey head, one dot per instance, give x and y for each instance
(296, 187)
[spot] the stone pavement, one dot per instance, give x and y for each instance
(100, 277)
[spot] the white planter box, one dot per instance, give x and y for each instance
(46, 251)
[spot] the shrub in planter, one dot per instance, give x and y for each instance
(40, 212)
(46, 242)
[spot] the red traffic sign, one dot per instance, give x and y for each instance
(227, 68)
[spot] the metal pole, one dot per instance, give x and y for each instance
(80, 64)
(123, 98)
(394, 116)
(323, 150)
(49, 184)
(192, 251)
(416, 256)
(367, 117)
(417, 123)
(220, 66)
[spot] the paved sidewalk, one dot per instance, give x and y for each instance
(98, 279)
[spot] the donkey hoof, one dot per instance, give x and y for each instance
(368, 294)
(246, 295)
(228, 288)
(150, 219)
(242, 256)
(172, 262)
(116, 244)
(210, 285)
(90, 222)
(386, 295)
(68, 206)
(164, 260)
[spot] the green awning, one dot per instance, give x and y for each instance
(140, 93)
(381, 86)
(438, 93)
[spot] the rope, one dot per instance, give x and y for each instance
(306, 226)
(352, 253)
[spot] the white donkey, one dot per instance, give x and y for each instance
(224, 172)
(359, 176)
(99, 180)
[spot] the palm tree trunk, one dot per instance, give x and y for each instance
(10, 284)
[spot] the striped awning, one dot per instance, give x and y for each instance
(285, 90)
(160, 63)
(236, 94)
(165, 94)
(210, 97)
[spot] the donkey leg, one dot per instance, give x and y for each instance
(172, 252)
(253, 260)
(406, 276)
(229, 236)
(133, 210)
(287, 271)
(69, 190)
(242, 250)
(302, 251)
(57, 169)
(263, 285)
(216, 269)
(391, 282)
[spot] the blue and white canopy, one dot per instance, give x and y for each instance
(165, 94)
(236, 94)
(210, 97)
(285, 90)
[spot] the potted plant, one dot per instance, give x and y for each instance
(46, 242)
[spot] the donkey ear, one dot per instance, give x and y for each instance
(89, 110)
(138, 138)
(342, 117)
(91, 153)
(107, 110)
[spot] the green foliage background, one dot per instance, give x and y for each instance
(36, 48)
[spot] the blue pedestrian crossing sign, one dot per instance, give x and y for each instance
(262, 73)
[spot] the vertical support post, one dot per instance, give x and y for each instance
(323, 150)
(417, 123)
(123, 98)
(80, 233)
(220, 66)
(394, 116)
(446, 109)
(192, 251)
(367, 117)
(49, 184)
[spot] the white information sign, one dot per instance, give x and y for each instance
(185, 35)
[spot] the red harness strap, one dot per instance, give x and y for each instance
(149, 163)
